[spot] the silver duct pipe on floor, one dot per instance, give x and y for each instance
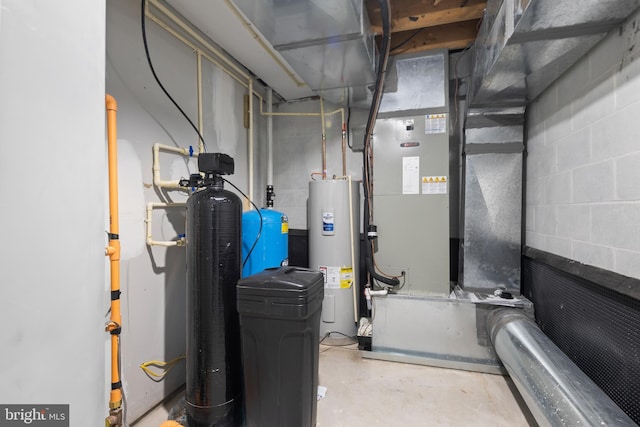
(556, 391)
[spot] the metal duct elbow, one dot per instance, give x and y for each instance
(556, 391)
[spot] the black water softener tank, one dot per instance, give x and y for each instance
(214, 369)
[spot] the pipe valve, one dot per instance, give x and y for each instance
(270, 196)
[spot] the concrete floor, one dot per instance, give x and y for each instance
(364, 392)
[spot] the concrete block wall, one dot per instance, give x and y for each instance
(297, 153)
(583, 164)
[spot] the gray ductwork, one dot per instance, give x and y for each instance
(525, 45)
(326, 42)
(492, 217)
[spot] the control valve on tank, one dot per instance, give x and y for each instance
(210, 166)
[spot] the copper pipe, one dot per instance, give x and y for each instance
(113, 252)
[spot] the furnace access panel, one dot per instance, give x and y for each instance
(411, 201)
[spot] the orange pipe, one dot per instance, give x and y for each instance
(113, 252)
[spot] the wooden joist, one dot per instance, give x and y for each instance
(448, 24)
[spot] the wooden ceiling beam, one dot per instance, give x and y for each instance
(411, 14)
(458, 35)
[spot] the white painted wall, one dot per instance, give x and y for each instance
(583, 167)
(52, 166)
(153, 280)
(298, 153)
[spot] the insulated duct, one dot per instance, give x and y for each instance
(493, 156)
(327, 42)
(525, 45)
(556, 391)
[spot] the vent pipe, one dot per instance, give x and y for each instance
(556, 391)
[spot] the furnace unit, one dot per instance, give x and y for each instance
(411, 201)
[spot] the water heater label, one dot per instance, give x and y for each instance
(331, 276)
(284, 229)
(328, 222)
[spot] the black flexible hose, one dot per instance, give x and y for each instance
(373, 114)
(143, 4)
(368, 254)
(382, 69)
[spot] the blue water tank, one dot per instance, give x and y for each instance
(272, 248)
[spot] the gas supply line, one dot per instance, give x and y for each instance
(114, 325)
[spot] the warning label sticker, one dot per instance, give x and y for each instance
(331, 276)
(434, 185)
(435, 123)
(346, 277)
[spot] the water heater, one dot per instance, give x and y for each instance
(334, 236)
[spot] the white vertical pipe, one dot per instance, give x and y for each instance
(324, 141)
(251, 139)
(269, 137)
(354, 284)
(200, 120)
(149, 229)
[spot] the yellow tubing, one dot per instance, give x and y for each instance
(170, 424)
(113, 252)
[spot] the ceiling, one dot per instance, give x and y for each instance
(420, 25)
